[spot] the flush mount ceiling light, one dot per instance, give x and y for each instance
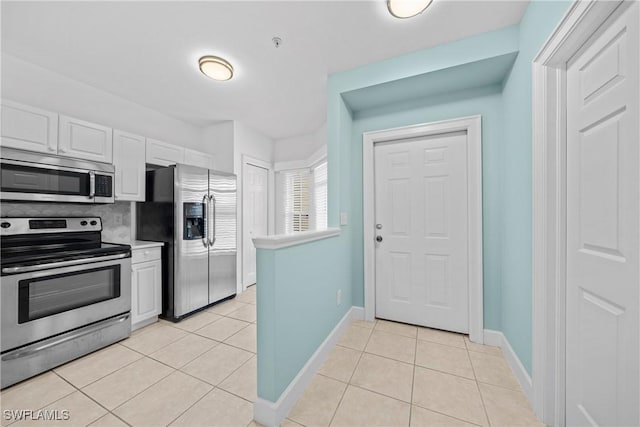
(215, 67)
(407, 8)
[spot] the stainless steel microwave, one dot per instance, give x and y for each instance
(36, 177)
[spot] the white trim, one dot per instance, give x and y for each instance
(493, 338)
(248, 160)
(497, 339)
(316, 157)
(290, 165)
(271, 414)
(581, 21)
(285, 240)
(473, 126)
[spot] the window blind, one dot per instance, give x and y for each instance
(320, 196)
(294, 201)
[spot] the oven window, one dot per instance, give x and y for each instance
(25, 179)
(46, 296)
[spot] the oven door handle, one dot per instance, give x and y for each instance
(29, 268)
(35, 348)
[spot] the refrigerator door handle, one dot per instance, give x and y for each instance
(212, 199)
(205, 236)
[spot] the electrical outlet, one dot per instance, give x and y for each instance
(117, 219)
(339, 297)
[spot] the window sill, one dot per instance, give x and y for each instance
(287, 240)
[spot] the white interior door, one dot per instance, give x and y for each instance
(602, 370)
(254, 217)
(422, 218)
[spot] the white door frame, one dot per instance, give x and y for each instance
(248, 160)
(473, 126)
(580, 22)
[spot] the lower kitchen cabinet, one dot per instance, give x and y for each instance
(146, 285)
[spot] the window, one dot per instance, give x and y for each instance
(301, 199)
(294, 191)
(320, 196)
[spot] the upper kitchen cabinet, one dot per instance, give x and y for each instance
(198, 158)
(129, 162)
(163, 154)
(29, 128)
(85, 140)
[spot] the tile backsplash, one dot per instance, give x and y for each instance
(110, 231)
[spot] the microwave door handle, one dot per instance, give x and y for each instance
(92, 184)
(205, 234)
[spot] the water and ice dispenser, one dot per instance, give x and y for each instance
(194, 218)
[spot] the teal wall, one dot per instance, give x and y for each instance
(486, 102)
(536, 26)
(297, 286)
(297, 307)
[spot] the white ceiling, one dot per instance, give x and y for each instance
(147, 51)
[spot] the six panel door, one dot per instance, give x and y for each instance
(602, 370)
(422, 221)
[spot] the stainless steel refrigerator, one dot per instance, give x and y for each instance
(193, 211)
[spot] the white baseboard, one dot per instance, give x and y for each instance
(497, 338)
(271, 414)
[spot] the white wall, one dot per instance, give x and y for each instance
(300, 147)
(30, 84)
(249, 143)
(219, 139)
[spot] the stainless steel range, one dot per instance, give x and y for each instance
(64, 292)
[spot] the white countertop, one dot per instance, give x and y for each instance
(142, 244)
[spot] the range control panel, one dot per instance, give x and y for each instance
(11, 226)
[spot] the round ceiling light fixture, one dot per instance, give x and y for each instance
(215, 67)
(407, 8)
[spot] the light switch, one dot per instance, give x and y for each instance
(343, 218)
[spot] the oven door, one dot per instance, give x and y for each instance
(53, 183)
(40, 304)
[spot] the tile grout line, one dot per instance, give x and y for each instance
(484, 407)
(463, 347)
(335, 411)
(190, 375)
(50, 403)
(104, 376)
(90, 398)
(191, 406)
(413, 378)
(421, 366)
(142, 355)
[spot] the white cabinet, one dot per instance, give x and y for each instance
(129, 161)
(163, 154)
(146, 286)
(85, 140)
(29, 128)
(198, 158)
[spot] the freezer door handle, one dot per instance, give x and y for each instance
(205, 235)
(212, 199)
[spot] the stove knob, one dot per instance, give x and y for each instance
(5, 224)
(83, 223)
(94, 222)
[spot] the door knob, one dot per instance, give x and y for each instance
(379, 238)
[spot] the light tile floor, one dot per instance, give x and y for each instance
(391, 374)
(202, 372)
(198, 372)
